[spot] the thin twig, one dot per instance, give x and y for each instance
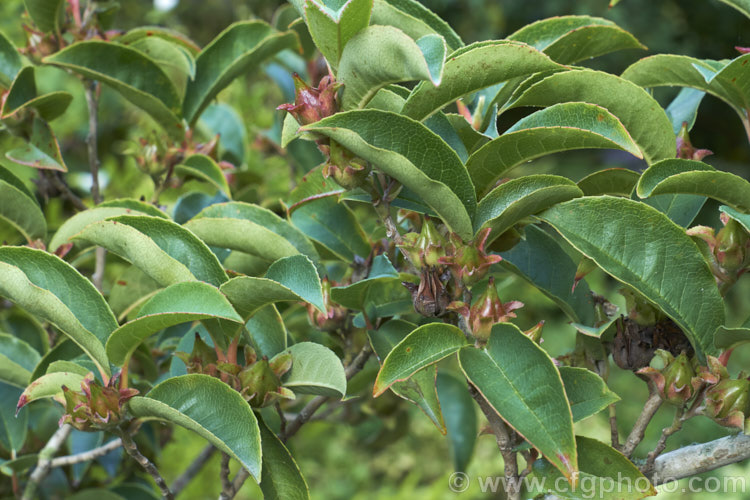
(282, 417)
(613, 432)
(92, 99)
(662, 444)
(148, 466)
(226, 483)
(639, 429)
(504, 443)
(45, 460)
(86, 455)
(61, 186)
(179, 484)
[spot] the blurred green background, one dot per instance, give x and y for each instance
(393, 451)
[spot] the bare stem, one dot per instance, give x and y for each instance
(148, 466)
(86, 455)
(639, 429)
(62, 187)
(227, 488)
(92, 99)
(662, 444)
(614, 434)
(45, 460)
(179, 484)
(504, 443)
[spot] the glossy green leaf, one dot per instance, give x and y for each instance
(205, 169)
(135, 76)
(50, 385)
(68, 366)
(569, 39)
(52, 290)
(380, 55)
(640, 247)
(75, 224)
(541, 261)
(251, 229)
(587, 393)
(473, 68)
(171, 55)
(13, 429)
(560, 127)
(332, 28)
(23, 95)
(414, 19)
(265, 332)
(518, 198)
(46, 14)
(412, 154)
(424, 346)
(641, 115)
(178, 303)
(728, 338)
(743, 219)
(170, 35)
(741, 5)
(191, 401)
(460, 419)
(677, 176)
(10, 61)
(165, 251)
(315, 370)
(289, 279)
(353, 296)
(684, 108)
(282, 479)
(235, 51)
(17, 360)
(42, 151)
(521, 383)
(420, 389)
(471, 138)
(25, 327)
(20, 208)
(605, 473)
(614, 181)
(681, 209)
(729, 81)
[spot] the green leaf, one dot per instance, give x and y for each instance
(282, 479)
(380, 55)
(412, 154)
(75, 224)
(414, 19)
(176, 304)
(17, 360)
(605, 473)
(27, 328)
(694, 177)
(353, 296)
(42, 151)
(191, 401)
(471, 138)
(473, 68)
(562, 127)
(170, 54)
(46, 14)
(315, 370)
(164, 250)
(205, 169)
(518, 198)
(51, 289)
(680, 208)
(12, 429)
(265, 332)
(728, 338)
(640, 247)
(420, 389)
(50, 385)
(460, 419)
(729, 81)
(251, 229)
(64, 350)
(539, 260)
(569, 39)
(587, 393)
(424, 346)
(68, 366)
(289, 279)
(684, 108)
(641, 115)
(741, 5)
(743, 219)
(234, 52)
(20, 464)
(332, 28)
(20, 208)
(614, 181)
(135, 76)
(521, 383)
(10, 60)
(23, 95)
(224, 121)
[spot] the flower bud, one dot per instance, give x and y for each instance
(312, 104)
(334, 316)
(728, 402)
(96, 407)
(488, 310)
(347, 170)
(535, 332)
(470, 262)
(733, 247)
(202, 359)
(425, 248)
(674, 381)
(430, 298)
(260, 382)
(686, 150)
